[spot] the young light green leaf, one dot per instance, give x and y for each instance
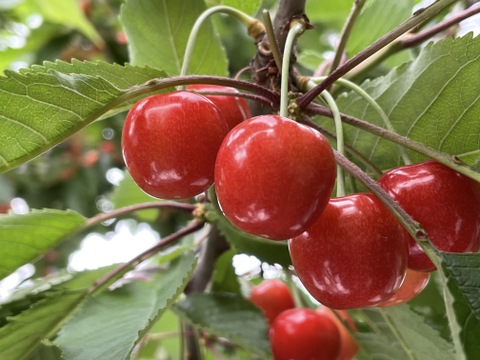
(42, 106)
(332, 11)
(109, 325)
(23, 333)
(228, 316)
(399, 333)
(25, 237)
(158, 31)
(433, 100)
(247, 6)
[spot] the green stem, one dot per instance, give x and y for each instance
(416, 19)
(277, 55)
(247, 20)
(347, 29)
(442, 158)
(296, 29)
(397, 335)
(388, 124)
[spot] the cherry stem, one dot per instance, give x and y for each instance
(254, 26)
(97, 219)
(440, 157)
(388, 124)
(120, 270)
(417, 18)
(297, 27)
(346, 31)
(413, 227)
(272, 40)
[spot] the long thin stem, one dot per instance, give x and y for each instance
(347, 29)
(296, 29)
(247, 20)
(416, 19)
(442, 158)
(277, 55)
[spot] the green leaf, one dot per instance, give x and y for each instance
(372, 23)
(224, 278)
(433, 100)
(158, 31)
(400, 333)
(247, 6)
(462, 273)
(111, 324)
(25, 332)
(25, 237)
(331, 11)
(228, 316)
(44, 105)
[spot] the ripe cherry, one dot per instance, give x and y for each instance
(303, 334)
(413, 284)
(170, 142)
(274, 176)
(349, 347)
(444, 202)
(234, 109)
(354, 256)
(272, 297)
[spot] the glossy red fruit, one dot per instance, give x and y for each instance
(234, 109)
(274, 176)
(444, 202)
(272, 297)
(349, 347)
(170, 142)
(413, 284)
(354, 256)
(303, 334)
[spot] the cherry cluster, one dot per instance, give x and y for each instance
(274, 178)
(303, 333)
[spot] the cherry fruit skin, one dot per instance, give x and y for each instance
(354, 256)
(170, 142)
(303, 334)
(349, 347)
(444, 202)
(234, 109)
(272, 297)
(413, 284)
(274, 176)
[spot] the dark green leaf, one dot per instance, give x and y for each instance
(158, 31)
(228, 316)
(109, 325)
(25, 237)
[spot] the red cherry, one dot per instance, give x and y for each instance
(272, 297)
(349, 346)
(234, 109)
(354, 256)
(444, 202)
(170, 142)
(303, 334)
(413, 284)
(274, 176)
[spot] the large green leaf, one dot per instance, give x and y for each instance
(331, 11)
(228, 316)
(433, 99)
(23, 333)
(158, 31)
(44, 105)
(25, 237)
(109, 325)
(399, 333)
(247, 6)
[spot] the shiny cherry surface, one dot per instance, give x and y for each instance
(274, 176)
(444, 202)
(413, 284)
(354, 256)
(303, 334)
(349, 346)
(272, 297)
(170, 142)
(234, 109)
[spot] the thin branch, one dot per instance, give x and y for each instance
(416, 19)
